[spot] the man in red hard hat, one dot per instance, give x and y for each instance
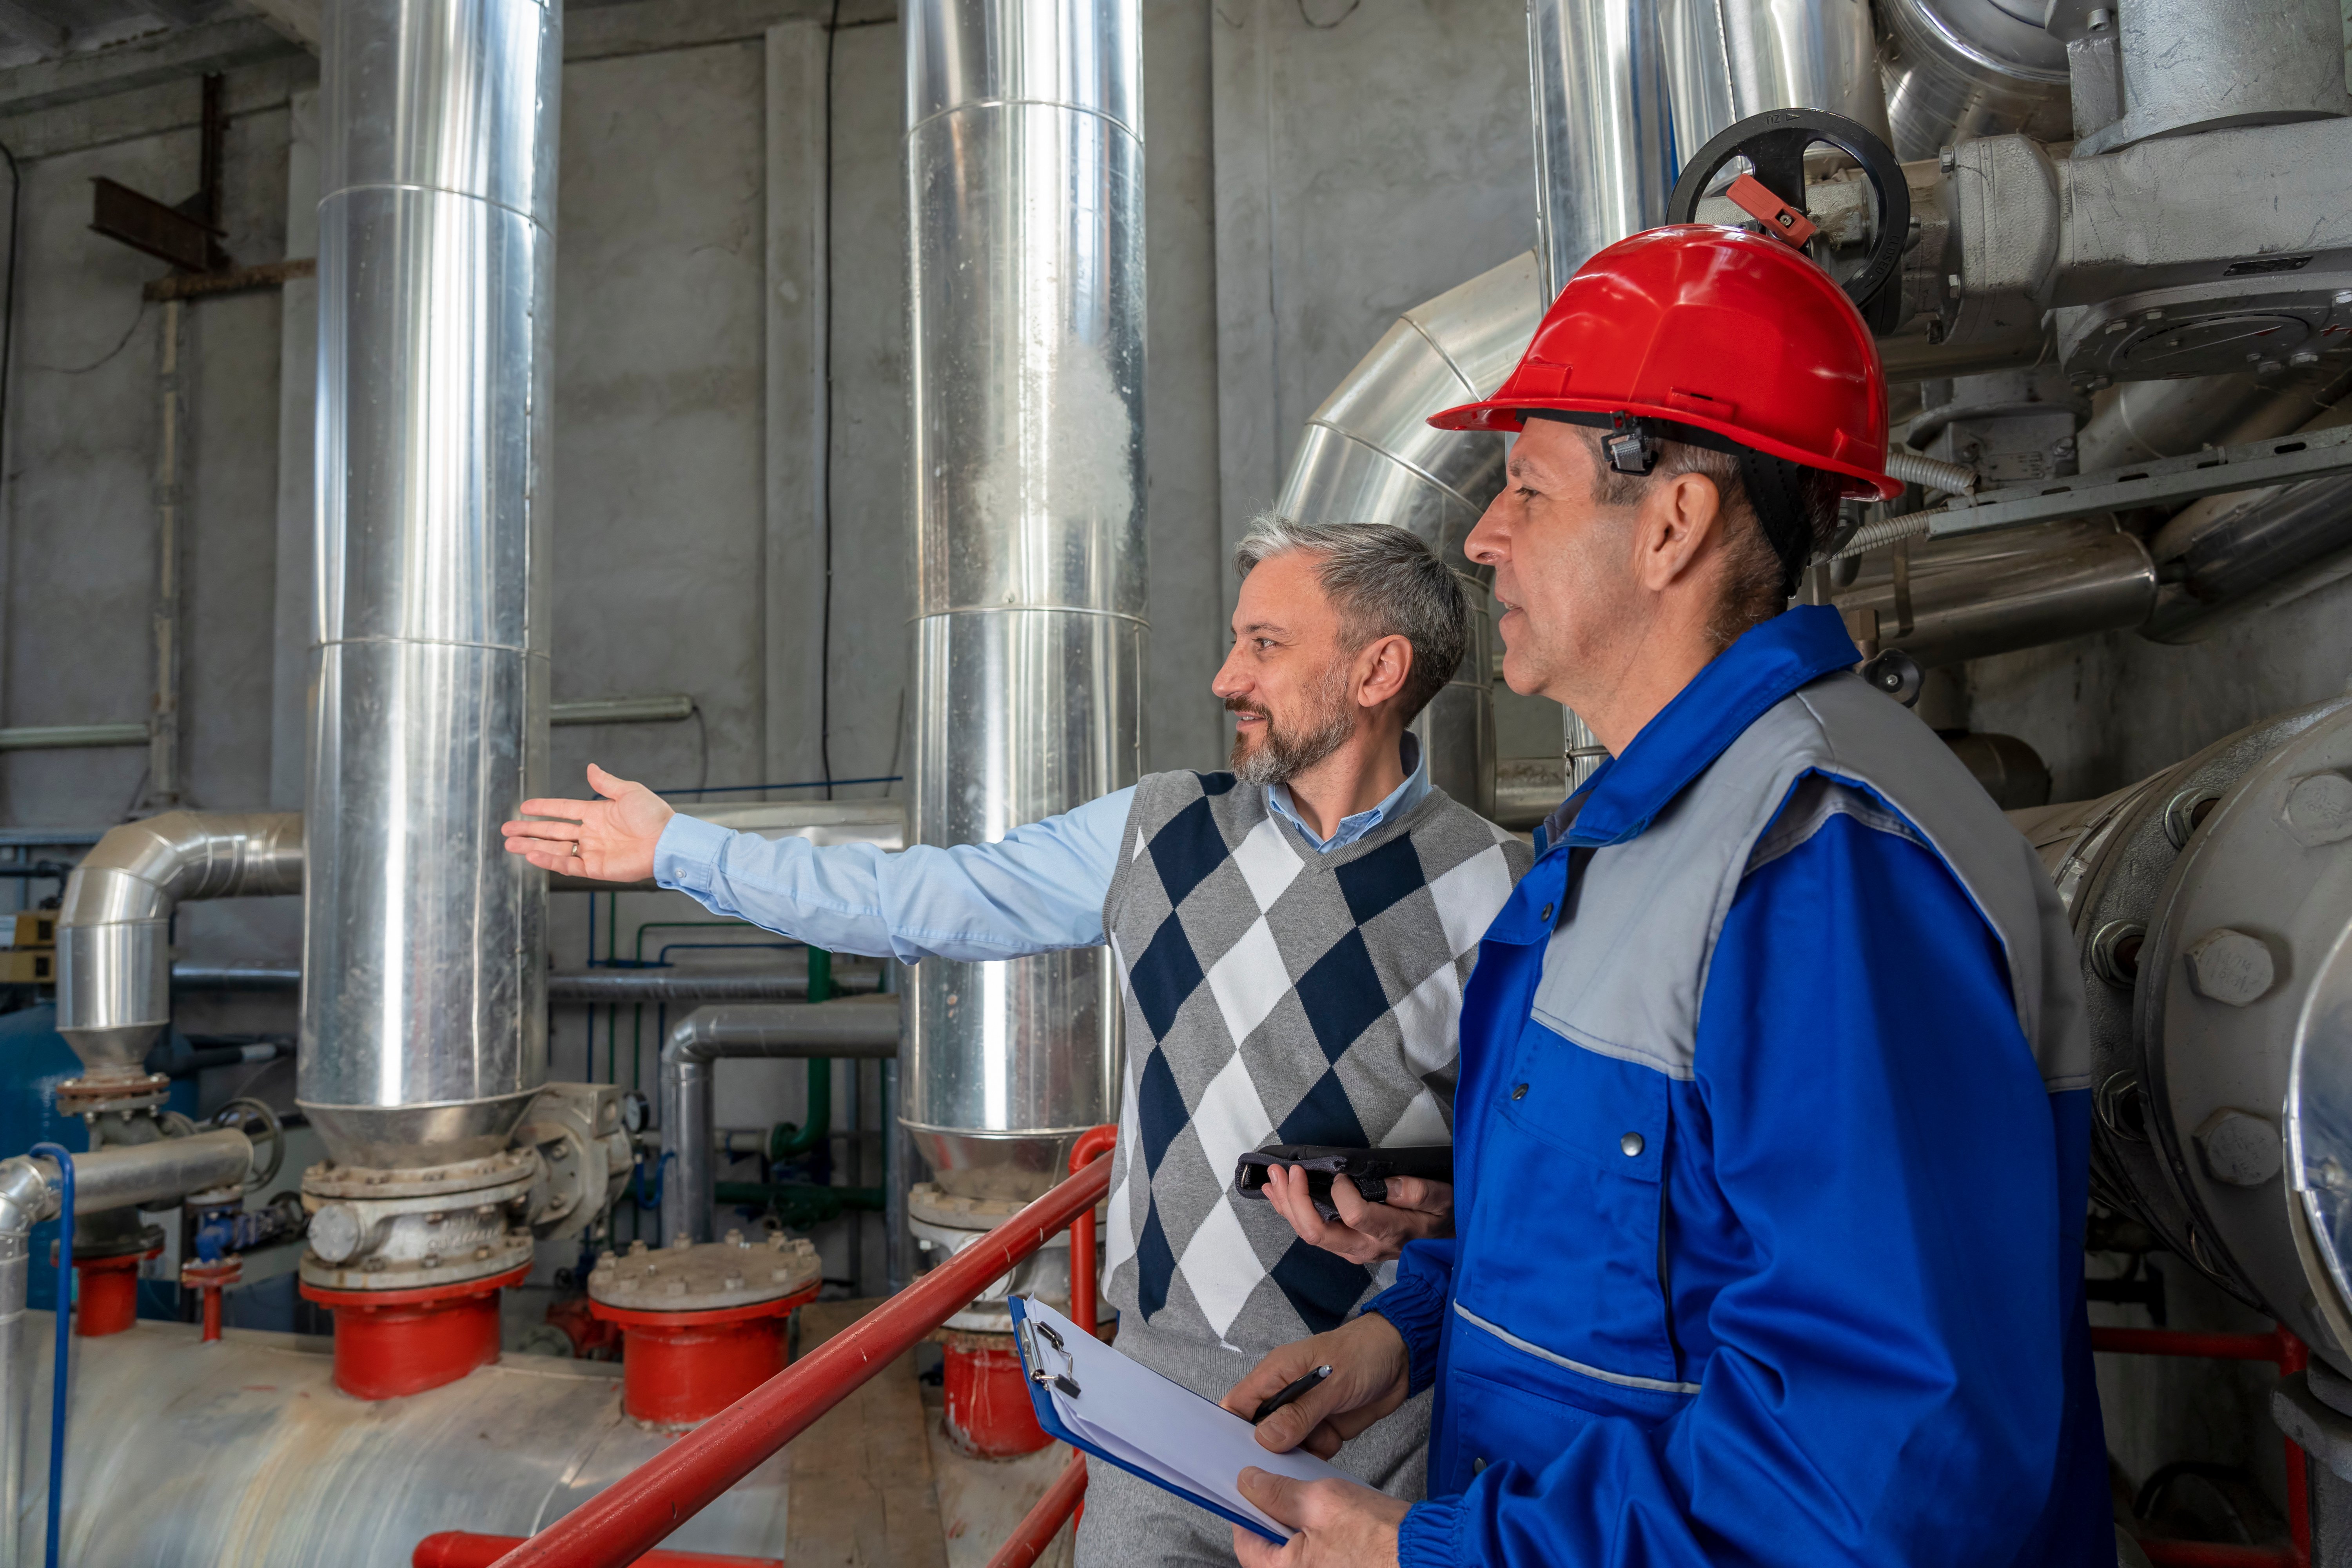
(1771, 1131)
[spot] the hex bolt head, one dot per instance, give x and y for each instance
(2318, 809)
(680, 1242)
(734, 1239)
(2229, 967)
(2240, 1147)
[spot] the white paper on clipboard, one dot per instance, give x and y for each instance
(1160, 1428)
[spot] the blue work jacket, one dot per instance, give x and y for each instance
(1810, 1295)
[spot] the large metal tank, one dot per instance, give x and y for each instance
(243, 1454)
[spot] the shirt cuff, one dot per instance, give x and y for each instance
(1425, 1538)
(685, 856)
(1415, 1307)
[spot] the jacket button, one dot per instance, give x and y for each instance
(1478, 1464)
(1631, 1144)
(1518, 1092)
(1546, 913)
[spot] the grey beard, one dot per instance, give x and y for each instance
(1283, 755)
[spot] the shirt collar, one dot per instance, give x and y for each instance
(1768, 662)
(1402, 799)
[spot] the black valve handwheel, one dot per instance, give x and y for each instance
(1774, 145)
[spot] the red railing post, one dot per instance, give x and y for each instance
(636, 1514)
(1092, 1145)
(1042, 1523)
(2282, 1349)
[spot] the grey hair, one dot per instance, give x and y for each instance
(1385, 581)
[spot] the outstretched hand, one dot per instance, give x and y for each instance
(610, 839)
(1365, 1232)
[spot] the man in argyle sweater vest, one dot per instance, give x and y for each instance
(1294, 935)
(1276, 995)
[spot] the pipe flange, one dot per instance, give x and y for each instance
(372, 1184)
(928, 1204)
(476, 1256)
(705, 1276)
(414, 1229)
(100, 1096)
(147, 1241)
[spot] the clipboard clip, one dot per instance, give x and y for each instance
(1039, 1373)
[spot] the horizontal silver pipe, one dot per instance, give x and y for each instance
(622, 710)
(125, 1175)
(586, 710)
(113, 993)
(593, 986)
(70, 737)
(1977, 594)
(858, 1030)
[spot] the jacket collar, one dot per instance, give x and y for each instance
(1768, 662)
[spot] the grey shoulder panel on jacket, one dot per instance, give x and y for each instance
(1630, 982)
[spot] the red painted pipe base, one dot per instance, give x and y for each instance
(463, 1549)
(680, 1368)
(989, 1413)
(106, 1291)
(389, 1344)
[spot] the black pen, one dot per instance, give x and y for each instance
(1283, 1396)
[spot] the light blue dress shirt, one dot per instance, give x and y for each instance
(1040, 889)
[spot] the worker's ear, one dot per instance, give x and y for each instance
(1678, 516)
(1382, 667)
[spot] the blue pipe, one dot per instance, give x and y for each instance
(62, 1337)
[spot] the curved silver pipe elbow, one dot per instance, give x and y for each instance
(867, 1027)
(114, 989)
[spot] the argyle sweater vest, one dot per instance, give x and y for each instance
(1276, 995)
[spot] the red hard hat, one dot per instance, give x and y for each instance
(1731, 331)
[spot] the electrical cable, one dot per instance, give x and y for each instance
(824, 451)
(61, 1338)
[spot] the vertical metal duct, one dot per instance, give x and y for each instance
(1728, 59)
(1604, 133)
(424, 943)
(1025, 170)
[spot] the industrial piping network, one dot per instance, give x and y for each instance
(2151, 316)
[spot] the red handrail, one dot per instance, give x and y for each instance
(1042, 1523)
(1092, 1145)
(2289, 1355)
(463, 1549)
(634, 1514)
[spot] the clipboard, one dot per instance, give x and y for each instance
(1058, 1358)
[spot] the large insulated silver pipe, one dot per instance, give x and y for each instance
(1024, 170)
(1598, 73)
(114, 984)
(860, 1029)
(1961, 68)
(424, 942)
(1728, 59)
(1369, 456)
